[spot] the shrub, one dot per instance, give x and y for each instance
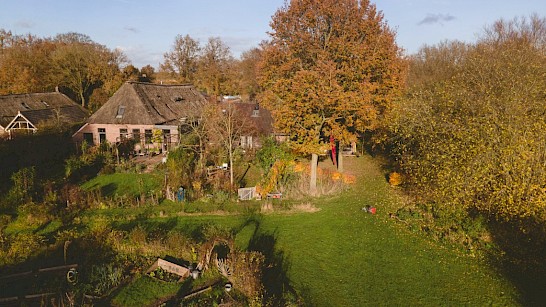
(395, 179)
(270, 152)
(21, 247)
(138, 235)
(104, 278)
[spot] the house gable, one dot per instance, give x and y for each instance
(20, 122)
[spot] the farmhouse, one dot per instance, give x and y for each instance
(29, 112)
(150, 115)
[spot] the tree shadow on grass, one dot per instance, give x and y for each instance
(522, 259)
(151, 226)
(108, 190)
(279, 290)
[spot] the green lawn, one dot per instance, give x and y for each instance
(342, 256)
(124, 184)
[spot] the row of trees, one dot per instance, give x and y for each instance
(88, 71)
(212, 67)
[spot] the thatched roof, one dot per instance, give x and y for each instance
(150, 104)
(40, 107)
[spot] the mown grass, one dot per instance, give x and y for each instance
(130, 184)
(343, 256)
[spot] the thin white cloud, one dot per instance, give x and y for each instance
(141, 55)
(436, 18)
(25, 24)
(131, 29)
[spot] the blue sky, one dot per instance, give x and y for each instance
(145, 29)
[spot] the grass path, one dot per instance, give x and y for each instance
(342, 256)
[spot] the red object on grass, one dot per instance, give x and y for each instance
(372, 210)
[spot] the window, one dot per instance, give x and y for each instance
(121, 111)
(246, 141)
(136, 135)
(122, 134)
(88, 138)
(256, 111)
(166, 136)
(102, 135)
(148, 136)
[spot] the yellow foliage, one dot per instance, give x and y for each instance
(349, 179)
(196, 185)
(336, 176)
(269, 183)
(395, 179)
(299, 167)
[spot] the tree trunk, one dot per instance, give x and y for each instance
(230, 152)
(83, 99)
(231, 170)
(313, 181)
(201, 156)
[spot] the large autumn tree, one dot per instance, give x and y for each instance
(331, 68)
(214, 68)
(83, 66)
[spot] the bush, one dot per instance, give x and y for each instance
(138, 235)
(21, 247)
(104, 278)
(475, 140)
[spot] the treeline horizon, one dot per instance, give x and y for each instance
(90, 73)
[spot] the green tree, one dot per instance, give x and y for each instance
(332, 68)
(182, 60)
(214, 67)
